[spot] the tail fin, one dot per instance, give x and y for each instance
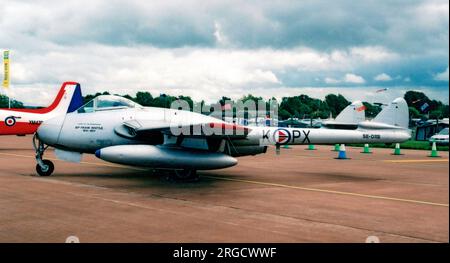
(396, 114)
(69, 99)
(353, 113)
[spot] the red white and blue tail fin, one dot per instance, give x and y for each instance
(69, 99)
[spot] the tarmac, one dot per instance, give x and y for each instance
(298, 196)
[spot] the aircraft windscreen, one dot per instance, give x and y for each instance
(113, 102)
(86, 108)
(107, 102)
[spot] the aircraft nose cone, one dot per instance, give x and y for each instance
(230, 161)
(48, 131)
(407, 136)
(404, 135)
(98, 153)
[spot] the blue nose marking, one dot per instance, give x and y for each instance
(97, 153)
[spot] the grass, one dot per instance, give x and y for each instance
(411, 144)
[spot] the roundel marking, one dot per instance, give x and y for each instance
(10, 121)
(281, 136)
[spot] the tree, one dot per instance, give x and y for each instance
(303, 111)
(415, 98)
(371, 110)
(251, 97)
(144, 98)
(129, 97)
(188, 100)
(414, 113)
(290, 105)
(435, 114)
(89, 97)
(301, 106)
(418, 100)
(336, 103)
(284, 114)
(163, 101)
(445, 111)
(14, 103)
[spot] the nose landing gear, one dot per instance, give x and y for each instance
(43, 167)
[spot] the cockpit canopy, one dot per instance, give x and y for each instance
(107, 102)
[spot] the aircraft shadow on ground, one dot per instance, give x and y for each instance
(143, 179)
(148, 178)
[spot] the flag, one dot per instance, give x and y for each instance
(6, 69)
(381, 90)
(424, 107)
(363, 107)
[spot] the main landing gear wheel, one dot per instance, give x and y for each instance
(43, 167)
(45, 170)
(186, 175)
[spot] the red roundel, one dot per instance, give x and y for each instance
(282, 136)
(10, 121)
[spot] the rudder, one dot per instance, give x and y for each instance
(69, 99)
(396, 114)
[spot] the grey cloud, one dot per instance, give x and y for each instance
(399, 25)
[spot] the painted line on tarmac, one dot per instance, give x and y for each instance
(328, 191)
(417, 161)
(16, 155)
(266, 184)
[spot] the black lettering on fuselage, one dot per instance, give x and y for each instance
(296, 134)
(266, 134)
(306, 137)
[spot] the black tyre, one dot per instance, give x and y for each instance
(186, 175)
(48, 170)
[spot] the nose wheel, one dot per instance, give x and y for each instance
(46, 169)
(43, 167)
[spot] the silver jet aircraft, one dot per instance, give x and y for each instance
(118, 130)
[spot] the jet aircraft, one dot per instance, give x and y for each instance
(118, 130)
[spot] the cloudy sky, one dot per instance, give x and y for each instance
(206, 49)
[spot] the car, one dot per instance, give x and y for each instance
(441, 138)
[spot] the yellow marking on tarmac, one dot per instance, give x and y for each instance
(416, 161)
(328, 191)
(271, 184)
